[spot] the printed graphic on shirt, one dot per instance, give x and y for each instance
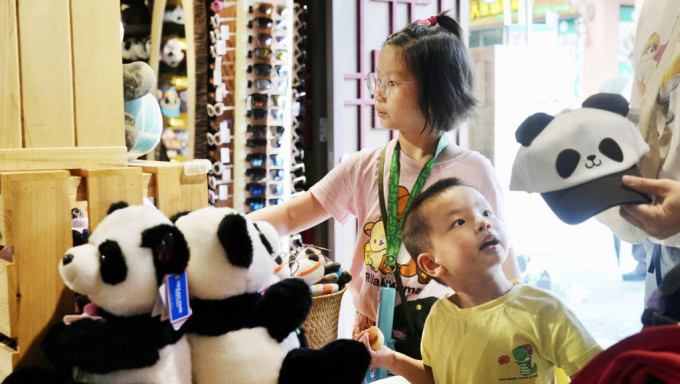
(526, 371)
(523, 356)
(649, 59)
(375, 250)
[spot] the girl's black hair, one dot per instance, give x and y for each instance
(443, 70)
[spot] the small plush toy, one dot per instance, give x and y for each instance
(120, 270)
(318, 271)
(239, 334)
(143, 119)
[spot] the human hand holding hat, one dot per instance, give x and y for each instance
(661, 219)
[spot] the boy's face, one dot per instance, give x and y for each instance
(466, 236)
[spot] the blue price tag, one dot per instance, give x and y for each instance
(178, 297)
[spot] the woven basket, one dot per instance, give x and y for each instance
(321, 326)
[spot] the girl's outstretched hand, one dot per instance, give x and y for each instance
(661, 219)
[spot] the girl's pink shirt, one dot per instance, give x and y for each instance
(350, 190)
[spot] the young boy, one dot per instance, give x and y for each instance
(491, 329)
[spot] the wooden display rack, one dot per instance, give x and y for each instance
(62, 145)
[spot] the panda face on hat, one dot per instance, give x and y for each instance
(578, 156)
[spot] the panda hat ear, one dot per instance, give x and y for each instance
(169, 249)
(531, 127)
(612, 102)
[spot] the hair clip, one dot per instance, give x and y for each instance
(432, 20)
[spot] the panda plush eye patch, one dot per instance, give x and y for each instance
(113, 268)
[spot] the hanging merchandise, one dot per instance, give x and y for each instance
(220, 101)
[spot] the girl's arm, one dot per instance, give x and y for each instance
(295, 215)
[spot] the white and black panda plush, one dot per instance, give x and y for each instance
(120, 270)
(576, 159)
(239, 334)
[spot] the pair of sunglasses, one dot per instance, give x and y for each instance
(266, 53)
(262, 143)
(261, 113)
(264, 69)
(256, 203)
(258, 189)
(265, 39)
(257, 159)
(260, 131)
(259, 100)
(267, 23)
(263, 84)
(268, 8)
(257, 174)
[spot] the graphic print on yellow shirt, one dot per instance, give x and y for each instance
(526, 369)
(375, 250)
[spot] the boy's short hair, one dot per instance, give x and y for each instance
(441, 64)
(415, 232)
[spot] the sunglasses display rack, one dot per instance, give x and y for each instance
(299, 74)
(250, 108)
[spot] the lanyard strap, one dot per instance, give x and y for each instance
(391, 216)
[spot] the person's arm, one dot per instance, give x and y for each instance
(415, 371)
(295, 215)
(661, 219)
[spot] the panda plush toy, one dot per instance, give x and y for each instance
(240, 334)
(120, 270)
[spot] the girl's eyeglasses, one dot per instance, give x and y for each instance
(382, 83)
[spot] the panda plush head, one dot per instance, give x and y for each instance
(123, 263)
(237, 255)
(576, 159)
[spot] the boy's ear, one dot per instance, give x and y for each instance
(427, 263)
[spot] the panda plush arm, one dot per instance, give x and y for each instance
(284, 306)
(103, 347)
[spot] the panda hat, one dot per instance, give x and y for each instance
(576, 159)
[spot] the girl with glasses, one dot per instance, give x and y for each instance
(423, 88)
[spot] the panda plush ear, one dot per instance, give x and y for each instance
(612, 102)
(169, 248)
(116, 206)
(531, 127)
(234, 237)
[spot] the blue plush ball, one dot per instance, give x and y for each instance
(147, 113)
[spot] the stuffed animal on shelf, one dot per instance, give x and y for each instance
(143, 119)
(239, 334)
(117, 339)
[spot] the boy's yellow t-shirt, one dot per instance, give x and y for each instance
(520, 337)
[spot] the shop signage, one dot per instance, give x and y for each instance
(483, 13)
